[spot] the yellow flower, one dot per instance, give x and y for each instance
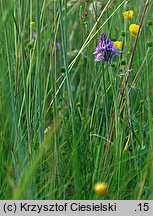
(134, 29)
(128, 14)
(118, 44)
(32, 24)
(100, 188)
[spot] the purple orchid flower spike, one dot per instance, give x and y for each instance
(105, 49)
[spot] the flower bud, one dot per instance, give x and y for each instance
(62, 70)
(150, 22)
(122, 33)
(149, 44)
(123, 62)
(30, 45)
(100, 188)
(32, 24)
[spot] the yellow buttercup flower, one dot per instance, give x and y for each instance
(128, 14)
(100, 188)
(134, 29)
(118, 44)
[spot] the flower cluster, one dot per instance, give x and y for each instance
(133, 28)
(105, 49)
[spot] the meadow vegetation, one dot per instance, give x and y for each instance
(67, 121)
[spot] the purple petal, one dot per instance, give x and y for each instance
(103, 37)
(98, 57)
(105, 49)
